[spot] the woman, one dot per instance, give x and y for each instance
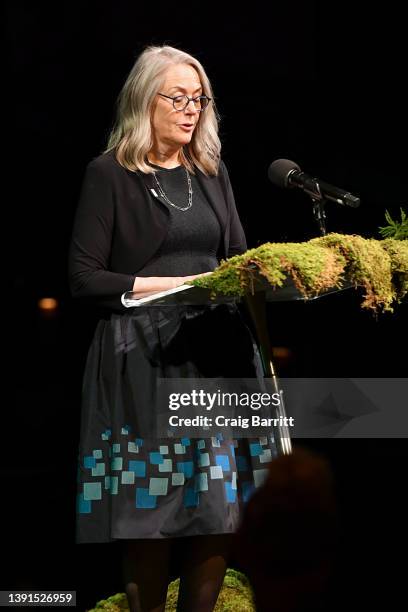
(156, 209)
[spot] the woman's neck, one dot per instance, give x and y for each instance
(164, 159)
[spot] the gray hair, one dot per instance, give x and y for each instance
(131, 135)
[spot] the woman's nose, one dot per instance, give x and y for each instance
(190, 108)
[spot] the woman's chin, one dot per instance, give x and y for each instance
(186, 140)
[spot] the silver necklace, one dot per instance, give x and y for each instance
(190, 193)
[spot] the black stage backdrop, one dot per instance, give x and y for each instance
(322, 83)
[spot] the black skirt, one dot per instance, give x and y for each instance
(131, 486)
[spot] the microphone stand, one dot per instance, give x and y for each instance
(319, 203)
(320, 214)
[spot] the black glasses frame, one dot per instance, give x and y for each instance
(173, 98)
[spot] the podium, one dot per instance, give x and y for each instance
(255, 301)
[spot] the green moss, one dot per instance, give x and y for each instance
(379, 266)
(368, 266)
(116, 603)
(235, 596)
(398, 252)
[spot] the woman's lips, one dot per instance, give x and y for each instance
(186, 127)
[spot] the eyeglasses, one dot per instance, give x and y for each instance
(180, 103)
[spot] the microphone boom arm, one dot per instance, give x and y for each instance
(286, 173)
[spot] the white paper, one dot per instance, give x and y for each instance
(129, 302)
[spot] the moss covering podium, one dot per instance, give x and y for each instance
(296, 271)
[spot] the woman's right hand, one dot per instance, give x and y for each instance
(148, 285)
(193, 276)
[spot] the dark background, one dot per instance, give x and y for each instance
(321, 83)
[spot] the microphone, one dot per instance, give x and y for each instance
(286, 173)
